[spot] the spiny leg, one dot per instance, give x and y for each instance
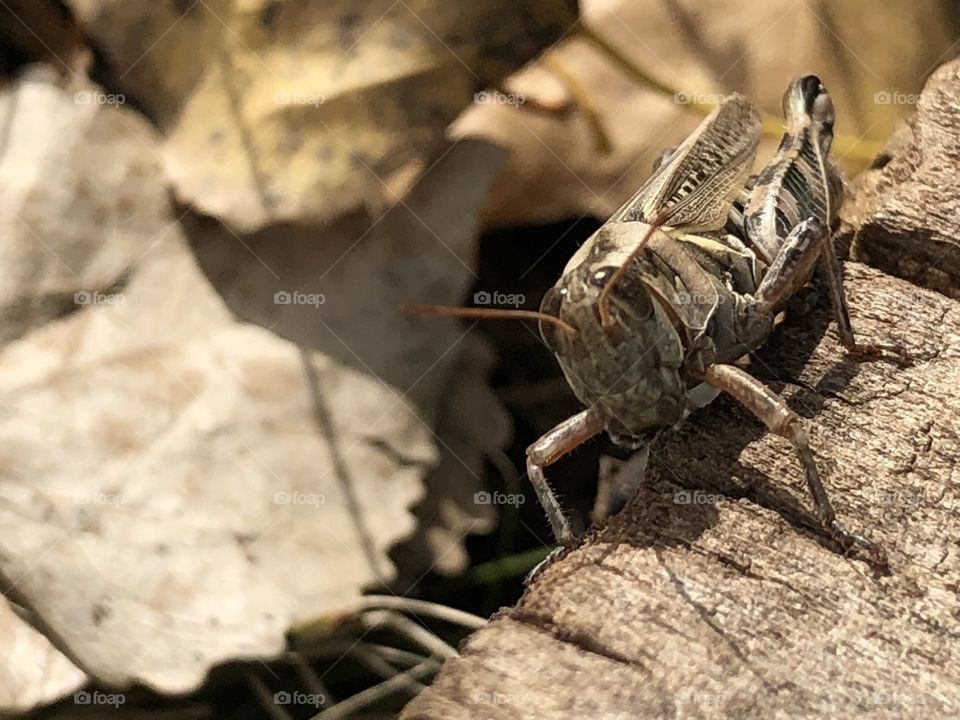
(791, 270)
(774, 412)
(564, 438)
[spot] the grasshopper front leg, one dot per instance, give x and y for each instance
(774, 412)
(564, 438)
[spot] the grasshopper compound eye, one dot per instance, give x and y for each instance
(632, 296)
(601, 276)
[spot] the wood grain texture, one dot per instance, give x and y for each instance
(904, 214)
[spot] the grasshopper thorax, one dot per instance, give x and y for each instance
(630, 371)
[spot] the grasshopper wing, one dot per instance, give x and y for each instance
(695, 188)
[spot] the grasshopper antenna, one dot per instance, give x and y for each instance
(484, 314)
(605, 319)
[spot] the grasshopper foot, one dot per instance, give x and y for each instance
(552, 557)
(850, 541)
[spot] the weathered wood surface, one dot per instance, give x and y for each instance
(730, 606)
(906, 211)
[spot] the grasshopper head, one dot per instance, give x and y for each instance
(628, 371)
(807, 103)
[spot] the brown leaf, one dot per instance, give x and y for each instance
(40, 673)
(870, 62)
(364, 269)
(302, 110)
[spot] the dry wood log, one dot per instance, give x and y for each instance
(905, 213)
(712, 594)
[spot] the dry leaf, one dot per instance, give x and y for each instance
(178, 489)
(359, 271)
(40, 673)
(702, 49)
(302, 110)
(472, 427)
(80, 197)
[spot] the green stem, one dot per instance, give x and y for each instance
(505, 567)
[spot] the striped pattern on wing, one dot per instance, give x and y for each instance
(696, 187)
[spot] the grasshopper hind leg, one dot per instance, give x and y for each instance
(838, 299)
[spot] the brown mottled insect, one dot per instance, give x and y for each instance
(686, 278)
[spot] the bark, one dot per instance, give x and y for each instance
(711, 594)
(903, 214)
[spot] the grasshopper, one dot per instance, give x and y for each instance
(685, 279)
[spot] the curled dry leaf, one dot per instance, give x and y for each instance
(870, 62)
(79, 197)
(176, 488)
(302, 110)
(472, 428)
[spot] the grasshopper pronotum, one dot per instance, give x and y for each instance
(686, 278)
